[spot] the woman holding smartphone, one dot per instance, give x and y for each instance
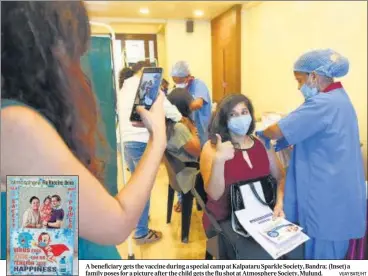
(47, 101)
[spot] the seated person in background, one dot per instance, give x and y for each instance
(201, 105)
(183, 140)
(125, 73)
(233, 155)
(165, 86)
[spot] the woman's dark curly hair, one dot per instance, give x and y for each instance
(218, 124)
(41, 47)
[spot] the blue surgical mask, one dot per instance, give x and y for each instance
(42, 244)
(240, 125)
(308, 92)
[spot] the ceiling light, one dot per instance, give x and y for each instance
(144, 10)
(198, 13)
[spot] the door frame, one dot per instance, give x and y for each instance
(145, 37)
(219, 53)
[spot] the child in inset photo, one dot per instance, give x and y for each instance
(46, 210)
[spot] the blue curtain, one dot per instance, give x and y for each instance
(97, 64)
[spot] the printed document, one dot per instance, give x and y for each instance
(277, 236)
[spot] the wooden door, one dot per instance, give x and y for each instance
(226, 53)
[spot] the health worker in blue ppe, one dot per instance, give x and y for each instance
(325, 188)
(201, 106)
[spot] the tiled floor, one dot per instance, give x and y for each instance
(170, 247)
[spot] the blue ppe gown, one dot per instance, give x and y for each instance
(325, 187)
(202, 116)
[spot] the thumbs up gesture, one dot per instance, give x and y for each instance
(224, 151)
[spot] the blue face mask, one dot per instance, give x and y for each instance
(42, 244)
(240, 125)
(308, 92)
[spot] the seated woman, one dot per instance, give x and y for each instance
(183, 140)
(233, 155)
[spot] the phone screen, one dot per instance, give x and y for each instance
(148, 90)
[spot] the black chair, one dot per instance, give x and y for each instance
(174, 166)
(212, 244)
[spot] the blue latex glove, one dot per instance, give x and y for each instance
(266, 140)
(281, 144)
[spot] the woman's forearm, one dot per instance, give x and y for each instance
(135, 195)
(216, 184)
(280, 192)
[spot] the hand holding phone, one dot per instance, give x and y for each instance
(147, 92)
(154, 120)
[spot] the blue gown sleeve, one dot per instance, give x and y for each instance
(304, 122)
(201, 91)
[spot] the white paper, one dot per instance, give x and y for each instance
(256, 217)
(250, 201)
(254, 224)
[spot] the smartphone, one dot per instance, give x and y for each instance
(148, 89)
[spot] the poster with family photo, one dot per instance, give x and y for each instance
(42, 216)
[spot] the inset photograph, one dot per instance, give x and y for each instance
(42, 225)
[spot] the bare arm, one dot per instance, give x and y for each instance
(196, 104)
(45, 153)
(273, 132)
(193, 146)
(56, 224)
(212, 169)
(278, 172)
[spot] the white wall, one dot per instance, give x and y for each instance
(161, 52)
(195, 48)
(275, 34)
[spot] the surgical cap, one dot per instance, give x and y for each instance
(180, 69)
(325, 62)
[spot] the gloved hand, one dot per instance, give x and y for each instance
(266, 141)
(281, 144)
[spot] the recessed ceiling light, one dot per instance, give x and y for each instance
(144, 10)
(198, 13)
